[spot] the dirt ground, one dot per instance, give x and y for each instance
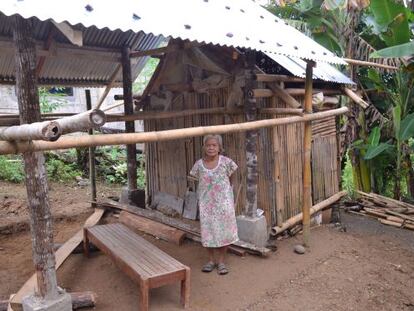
(367, 266)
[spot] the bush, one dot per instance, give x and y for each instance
(57, 170)
(11, 169)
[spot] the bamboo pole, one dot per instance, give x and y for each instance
(82, 121)
(291, 222)
(35, 171)
(266, 93)
(369, 64)
(133, 138)
(307, 147)
(156, 115)
(46, 130)
(355, 98)
(92, 168)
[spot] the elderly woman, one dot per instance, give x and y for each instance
(216, 202)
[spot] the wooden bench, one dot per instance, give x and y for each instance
(139, 259)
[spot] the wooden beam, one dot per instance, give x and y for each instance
(61, 254)
(109, 86)
(153, 228)
(307, 147)
(166, 49)
(133, 138)
(74, 36)
(355, 98)
(129, 125)
(369, 64)
(92, 168)
(67, 50)
(283, 95)
(260, 77)
(35, 171)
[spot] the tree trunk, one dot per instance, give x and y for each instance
(129, 126)
(250, 107)
(36, 179)
(410, 177)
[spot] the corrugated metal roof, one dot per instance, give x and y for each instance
(322, 71)
(236, 23)
(60, 69)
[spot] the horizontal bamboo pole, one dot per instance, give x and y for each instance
(266, 93)
(358, 100)
(83, 121)
(133, 138)
(155, 115)
(277, 78)
(46, 130)
(369, 64)
(314, 209)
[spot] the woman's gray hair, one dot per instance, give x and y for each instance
(217, 137)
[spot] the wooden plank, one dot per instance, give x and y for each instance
(61, 254)
(190, 205)
(154, 228)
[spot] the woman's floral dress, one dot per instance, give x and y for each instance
(216, 202)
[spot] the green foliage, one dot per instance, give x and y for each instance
(347, 177)
(144, 77)
(11, 169)
(401, 50)
(48, 102)
(392, 20)
(58, 170)
(407, 127)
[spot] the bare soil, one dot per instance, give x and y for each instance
(368, 266)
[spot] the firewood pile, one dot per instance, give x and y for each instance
(388, 211)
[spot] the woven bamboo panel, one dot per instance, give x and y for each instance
(279, 157)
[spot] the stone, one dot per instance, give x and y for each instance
(252, 230)
(299, 249)
(62, 302)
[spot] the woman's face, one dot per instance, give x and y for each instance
(212, 147)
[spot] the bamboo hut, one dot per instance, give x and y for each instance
(209, 80)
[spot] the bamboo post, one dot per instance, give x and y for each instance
(92, 169)
(82, 121)
(307, 147)
(291, 222)
(250, 107)
(134, 138)
(278, 196)
(129, 125)
(35, 172)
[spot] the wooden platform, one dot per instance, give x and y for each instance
(139, 259)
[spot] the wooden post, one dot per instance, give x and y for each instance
(250, 108)
(35, 172)
(307, 147)
(129, 125)
(92, 170)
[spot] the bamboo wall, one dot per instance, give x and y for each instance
(279, 157)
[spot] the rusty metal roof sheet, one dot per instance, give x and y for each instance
(59, 69)
(322, 71)
(236, 23)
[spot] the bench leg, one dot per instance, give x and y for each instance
(143, 296)
(85, 242)
(185, 289)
